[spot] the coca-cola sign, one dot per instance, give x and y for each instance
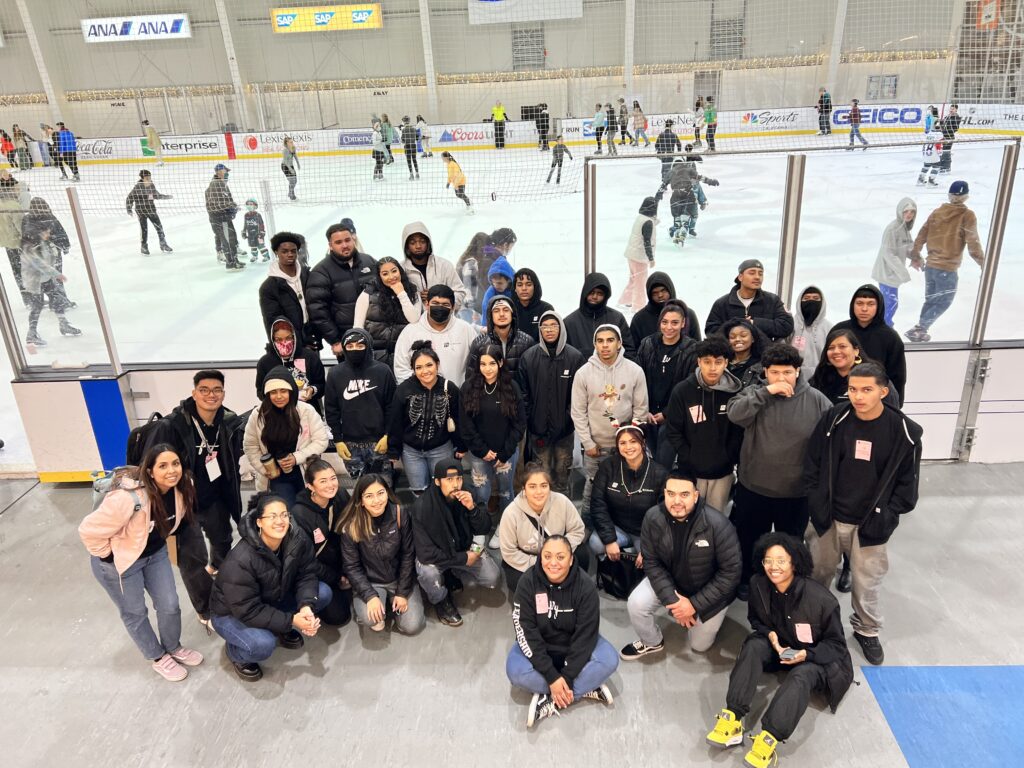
(95, 149)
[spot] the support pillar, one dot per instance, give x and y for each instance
(433, 115)
(236, 76)
(37, 54)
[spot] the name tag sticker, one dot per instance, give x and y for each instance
(318, 536)
(862, 451)
(542, 602)
(803, 633)
(212, 467)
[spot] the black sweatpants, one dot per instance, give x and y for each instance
(192, 560)
(339, 611)
(144, 218)
(216, 524)
(754, 515)
(70, 159)
(410, 157)
(789, 702)
(598, 134)
(710, 132)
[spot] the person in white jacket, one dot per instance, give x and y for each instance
(607, 392)
(425, 268)
(530, 518)
(424, 130)
(282, 434)
(890, 271)
(810, 327)
(450, 336)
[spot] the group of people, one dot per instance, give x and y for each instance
(58, 146)
(748, 458)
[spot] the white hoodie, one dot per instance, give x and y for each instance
(295, 283)
(451, 345)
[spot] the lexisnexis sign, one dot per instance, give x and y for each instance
(325, 18)
(135, 28)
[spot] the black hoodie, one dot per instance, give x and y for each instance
(645, 322)
(319, 524)
(358, 397)
(546, 380)
(489, 429)
(253, 579)
(443, 531)
(582, 323)
(664, 366)
(879, 342)
(556, 625)
(528, 317)
(518, 341)
(706, 442)
(304, 365)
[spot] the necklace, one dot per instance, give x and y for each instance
(493, 387)
(622, 476)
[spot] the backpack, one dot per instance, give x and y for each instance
(138, 439)
(104, 482)
(618, 579)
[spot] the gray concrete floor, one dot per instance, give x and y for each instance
(75, 692)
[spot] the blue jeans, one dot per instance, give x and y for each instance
(855, 132)
(249, 645)
(288, 485)
(151, 574)
(939, 292)
(603, 662)
(419, 465)
(642, 134)
(622, 538)
(891, 295)
(484, 476)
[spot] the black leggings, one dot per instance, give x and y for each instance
(70, 159)
(460, 192)
(410, 157)
(378, 163)
(144, 219)
(754, 515)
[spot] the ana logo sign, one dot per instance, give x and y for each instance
(285, 19)
(135, 28)
(323, 19)
(880, 116)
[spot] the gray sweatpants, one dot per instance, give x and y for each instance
(643, 604)
(868, 566)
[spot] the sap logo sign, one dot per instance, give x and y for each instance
(361, 17)
(286, 19)
(880, 116)
(323, 19)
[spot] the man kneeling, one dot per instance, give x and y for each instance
(267, 590)
(692, 566)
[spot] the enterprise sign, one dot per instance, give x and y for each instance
(135, 28)
(327, 18)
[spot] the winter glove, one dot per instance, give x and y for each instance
(382, 445)
(343, 450)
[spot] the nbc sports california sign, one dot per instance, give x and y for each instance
(133, 29)
(326, 18)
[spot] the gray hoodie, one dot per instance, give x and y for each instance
(891, 264)
(439, 271)
(809, 339)
(777, 430)
(519, 535)
(604, 397)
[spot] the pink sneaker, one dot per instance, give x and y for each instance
(169, 669)
(187, 656)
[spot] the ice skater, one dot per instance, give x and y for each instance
(424, 132)
(667, 143)
(143, 199)
(932, 154)
(290, 165)
(599, 123)
(67, 147)
(153, 141)
(855, 124)
(457, 179)
(640, 253)
(711, 121)
(556, 159)
(543, 123)
(824, 108)
(698, 121)
(221, 210)
(41, 271)
(379, 151)
(388, 132)
(255, 231)
(409, 147)
(890, 271)
(624, 124)
(685, 204)
(612, 127)
(949, 125)
(639, 126)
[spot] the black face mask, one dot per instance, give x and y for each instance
(810, 310)
(356, 357)
(440, 314)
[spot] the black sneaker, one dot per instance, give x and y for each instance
(636, 649)
(871, 648)
(250, 673)
(602, 694)
(447, 613)
(453, 583)
(291, 639)
(845, 581)
(541, 706)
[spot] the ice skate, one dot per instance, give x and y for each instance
(67, 329)
(166, 248)
(220, 257)
(144, 249)
(417, 175)
(33, 337)
(932, 182)
(921, 181)
(679, 238)
(255, 255)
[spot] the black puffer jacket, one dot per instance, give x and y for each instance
(560, 640)
(518, 342)
(710, 572)
(582, 323)
(528, 317)
(318, 523)
(332, 290)
(807, 603)
(253, 579)
(387, 556)
(621, 497)
(645, 322)
(277, 299)
(766, 310)
(879, 342)
(546, 381)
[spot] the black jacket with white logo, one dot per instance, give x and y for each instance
(357, 398)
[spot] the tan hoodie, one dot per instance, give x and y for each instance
(520, 538)
(948, 229)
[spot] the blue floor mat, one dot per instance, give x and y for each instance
(953, 716)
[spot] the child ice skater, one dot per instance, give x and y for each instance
(255, 232)
(556, 159)
(457, 179)
(41, 273)
(143, 199)
(932, 157)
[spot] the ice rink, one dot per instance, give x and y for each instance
(185, 307)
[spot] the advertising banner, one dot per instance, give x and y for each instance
(258, 143)
(327, 18)
(505, 11)
(205, 145)
(129, 29)
(107, 149)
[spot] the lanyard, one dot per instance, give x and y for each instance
(204, 445)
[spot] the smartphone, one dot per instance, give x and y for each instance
(788, 654)
(476, 548)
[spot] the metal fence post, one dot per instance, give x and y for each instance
(792, 204)
(268, 206)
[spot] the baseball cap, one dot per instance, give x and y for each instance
(221, 167)
(443, 467)
(749, 264)
(959, 188)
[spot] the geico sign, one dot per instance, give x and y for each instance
(196, 145)
(880, 116)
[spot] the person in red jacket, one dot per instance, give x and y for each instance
(855, 124)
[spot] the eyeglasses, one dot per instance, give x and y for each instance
(782, 562)
(278, 516)
(205, 391)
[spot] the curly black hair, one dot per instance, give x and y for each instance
(795, 548)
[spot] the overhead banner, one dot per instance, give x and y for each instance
(988, 15)
(132, 29)
(327, 18)
(504, 11)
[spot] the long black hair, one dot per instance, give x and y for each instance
(388, 299)
(825, 377)
(157, 512)
(281, 426)
(473, 389)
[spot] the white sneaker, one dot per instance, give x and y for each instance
(494, 542)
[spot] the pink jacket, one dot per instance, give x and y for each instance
(115, 526)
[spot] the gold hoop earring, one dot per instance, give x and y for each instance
(857, 360)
